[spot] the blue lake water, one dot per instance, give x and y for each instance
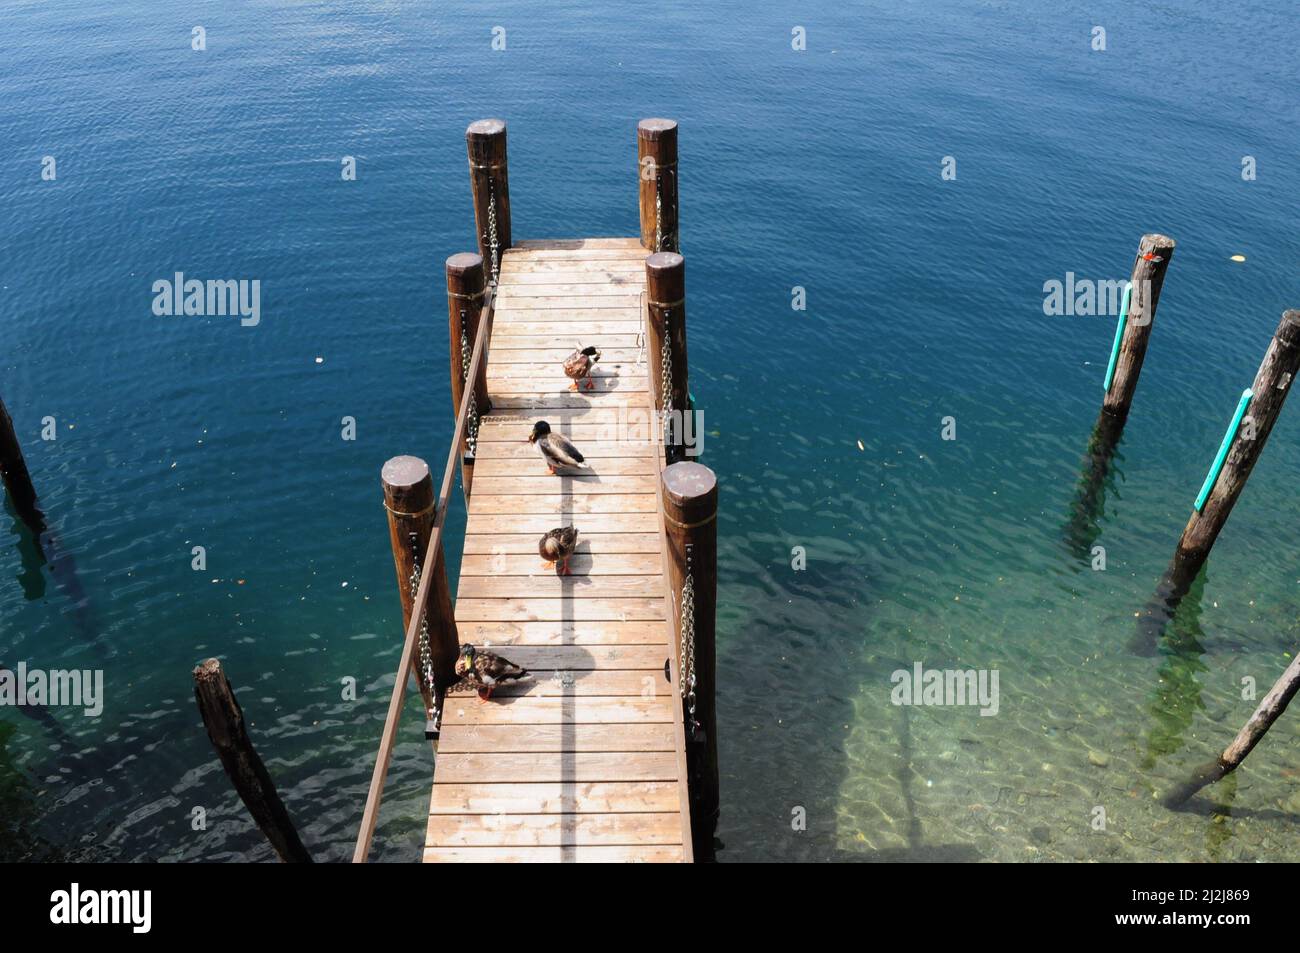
(818, 168)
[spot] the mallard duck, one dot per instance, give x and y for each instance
(486, 669)
(557, 546)
(555, 449)
(577, 366)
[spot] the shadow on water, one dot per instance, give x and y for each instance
(786, 709)
(1098, 475)
(1177, 695)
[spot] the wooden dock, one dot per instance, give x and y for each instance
(608, 752)
(585, 760)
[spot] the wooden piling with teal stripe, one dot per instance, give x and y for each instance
(1253, 419)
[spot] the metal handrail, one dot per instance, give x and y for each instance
(419, 610)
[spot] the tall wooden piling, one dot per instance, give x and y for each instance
(224, 720)
(409, 500)
(1148, 277)
(486, 142)
(465, 288)
(665, 274)
(690, 503)
(1131, 340)
(1272, 706)
(656, 153)
(17, 479)
(1244, 445)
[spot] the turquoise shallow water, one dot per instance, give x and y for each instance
(819, 169)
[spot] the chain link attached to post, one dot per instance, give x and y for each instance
(686, 667)
(493, 244)
(665, 376)
(471, 428)
(426, 656)
(659, 210)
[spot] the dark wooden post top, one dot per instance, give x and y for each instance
(666, 277)
(465, 274)
(690, 493)
(408, 486)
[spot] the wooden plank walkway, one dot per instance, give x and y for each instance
(586, 761)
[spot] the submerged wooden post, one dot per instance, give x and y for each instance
(486, 142)
(665, 275)
(1274, 703)
(1242, 445)
(408, 497)
(224, 720)
(17, 479)
(1154, 253)
(464, 308)
(690, 501)
(1130, 347)
(656, 154)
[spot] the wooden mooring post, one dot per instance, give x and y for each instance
(1148, 278)
(1244, 441)
(465, 289)
(17, 479)
(690, 506)
(1132, 335)
(409, 500)
(1274, 703)
(486, 142)
(656, 154)
(224, 720)
(665, 274)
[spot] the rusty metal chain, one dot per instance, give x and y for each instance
(471, 429)
(426, 656)
(493, 244)
(686, 667)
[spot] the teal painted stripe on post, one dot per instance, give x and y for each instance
(1119, 336)
(1222, 455)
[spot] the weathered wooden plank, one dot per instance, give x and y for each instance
(570, 684)
(555, 710)
(612, 357)
(551, 586)
(587, 854)
(552, 830)
(626, 436)
(585, 634)
(552, 342)
(513, 266)
(512, 446)
(528, 247)
(519, 739)
(555, 766)
(563, 504)
(628, 609)
(545, 378)
(618, 410)
(585, 275)
(587, 561)
(592, 797)
(573, 299)
(514, 329)
(571, 401)
(518, 545)
(498, 466)
(548, 658)
(577, 484)
(592, 523)
(578, 317)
